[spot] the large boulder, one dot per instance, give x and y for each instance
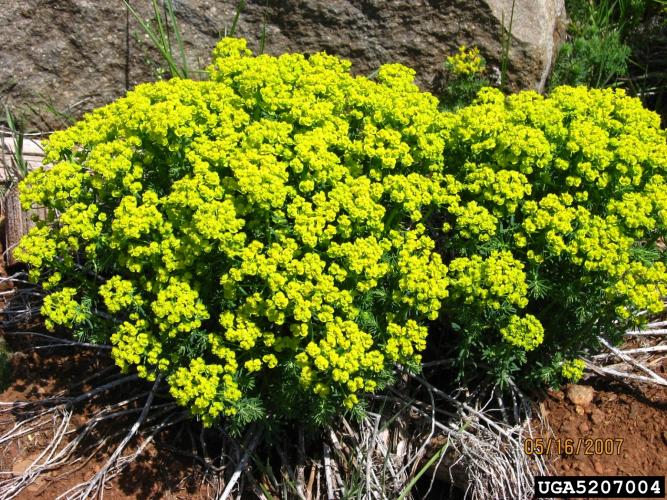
(72, 55)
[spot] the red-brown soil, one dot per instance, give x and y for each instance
(156, 474)
(634, 415)
(633, 419)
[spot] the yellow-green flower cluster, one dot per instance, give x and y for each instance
(526, 333)
(135, 346)
(205, 389)
(60, 308)
(38, 248)
(473, 222)
(503, 188)
(489, 282)
(81, 221)
(422, 284)
(343, 360)
(466, 62)
(119, 294)
(573, 369)
(641, 287)
(177, 308)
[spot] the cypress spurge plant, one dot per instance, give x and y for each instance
(557, 235)
(465, 77)
(272, 242)
(245, 238)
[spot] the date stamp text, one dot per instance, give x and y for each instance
(575, 446)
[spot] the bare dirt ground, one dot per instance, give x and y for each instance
(607, 427)
(622, 431)
(158, 473)
(589, 416)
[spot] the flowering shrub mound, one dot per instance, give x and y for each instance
(245, 237)
(266, 241)
(558, 236)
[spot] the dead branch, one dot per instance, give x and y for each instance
(256, 435)
(631, 361)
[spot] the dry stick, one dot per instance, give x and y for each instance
(300, 472)
(656, 360)
(382, 444)
(621, 375)
(440, 362)
(71, 402)
(515, 408)
(327, 471)
(172, 419)
(656, 324)
(369, 452)
(241, 465)
(14, 278)
(285, 470)
(13, 487)
(363, 449)
(505, 472)
(122, 461)
(34, 293)
(311, 482)
(341, 454)
(99, 478)
(336, 443)
(646, 333)
(255, 486)
(446, 396)
(435, 468)
(657, 378)
(638, 350)
(418, 455)
(375, 492)
(60, 400)
(202, 442)
(60, 340)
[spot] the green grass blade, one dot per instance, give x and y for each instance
(436, 456)
(179, 39)
(158, 39)
(262, 38)
(17, 154)
(239, 7)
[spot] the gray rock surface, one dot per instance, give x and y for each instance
(73, 55)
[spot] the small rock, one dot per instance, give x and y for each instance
(584, 427)
(565, 467)
(597, 416)
(598, 468)
(664, 436)
(579, 409)
(557, 395)
(580, 395)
